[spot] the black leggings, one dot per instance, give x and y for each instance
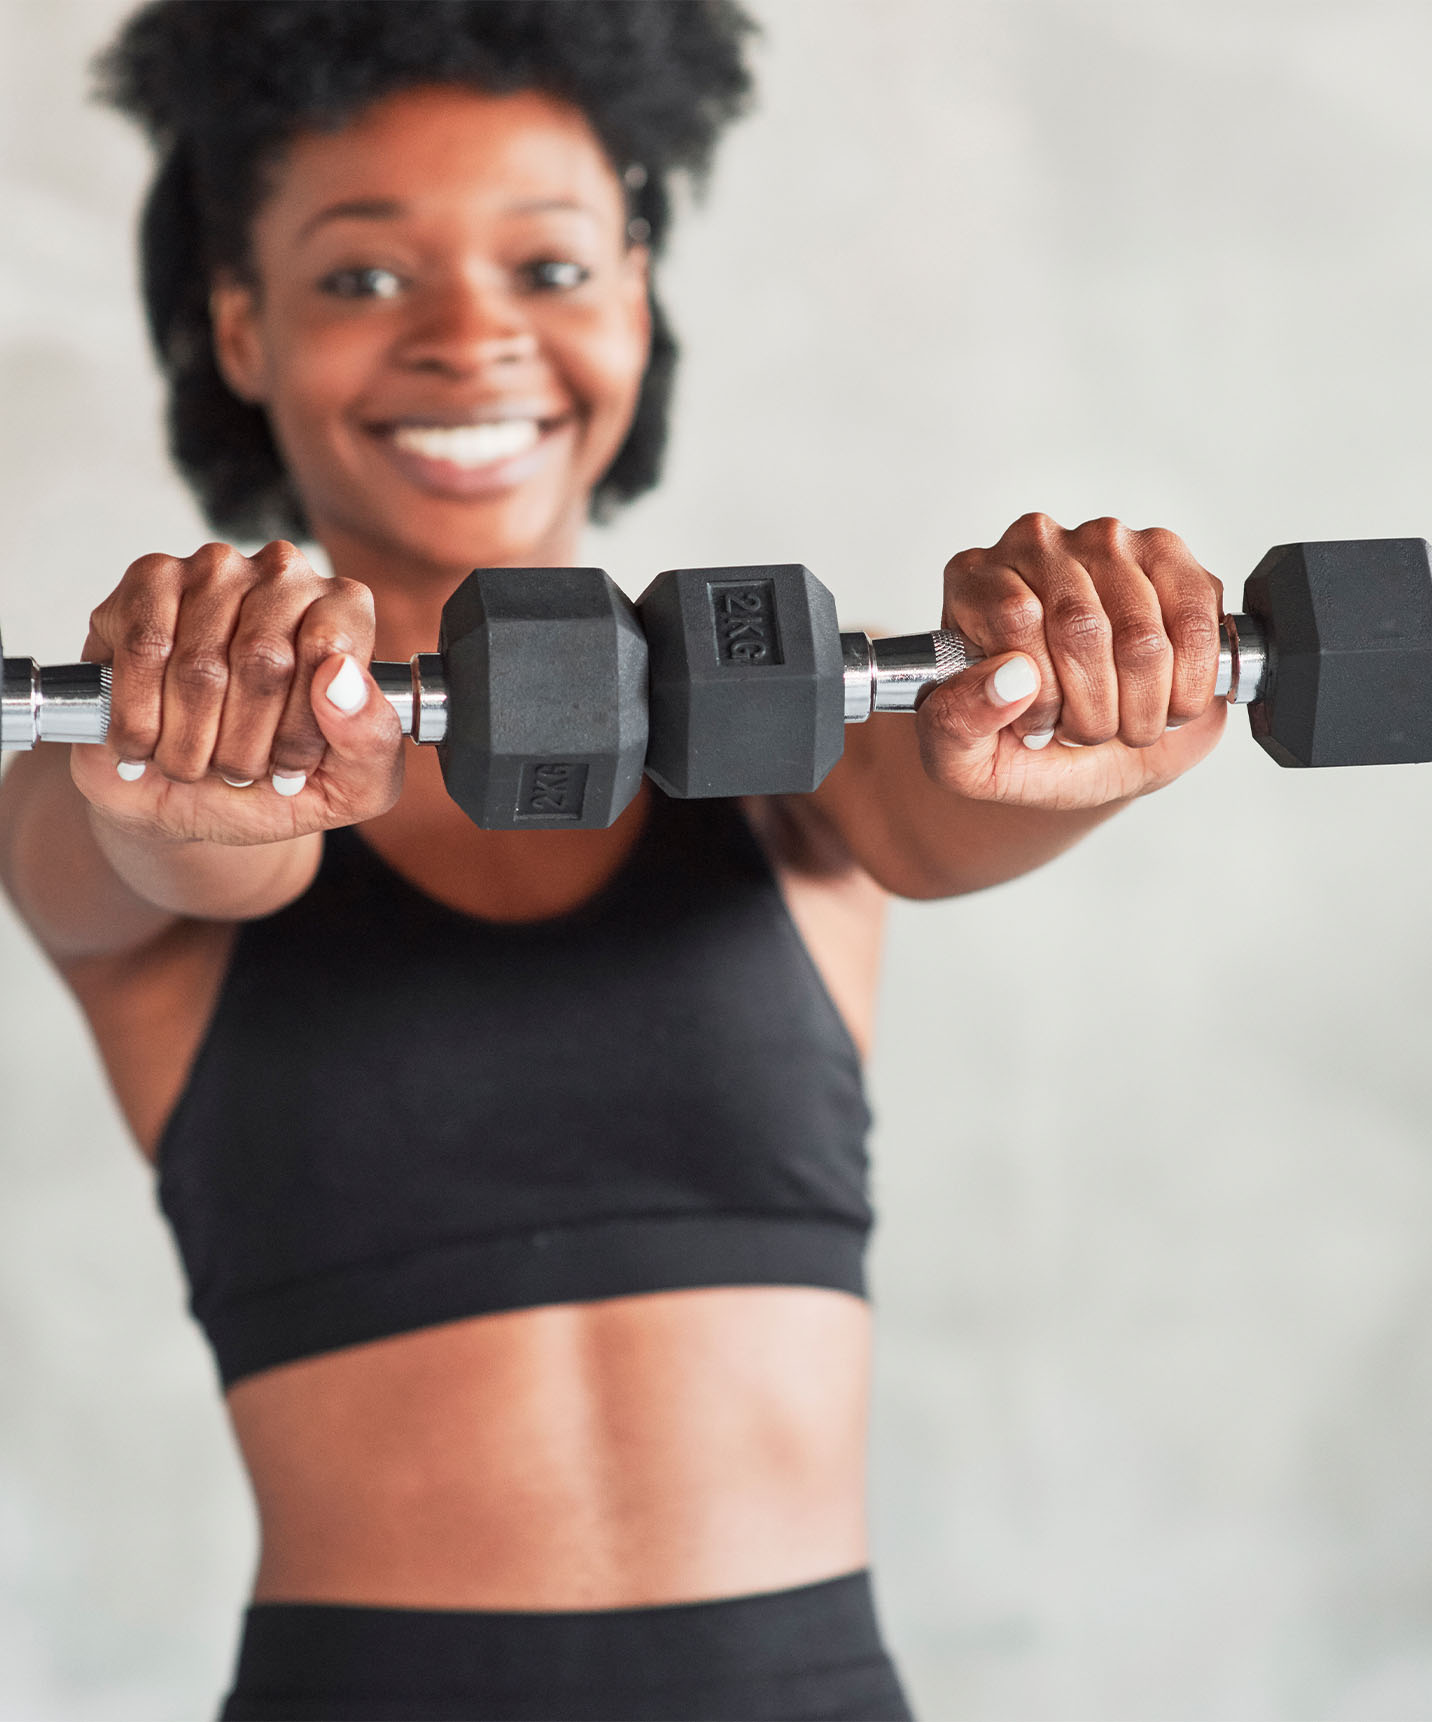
(812, 1653)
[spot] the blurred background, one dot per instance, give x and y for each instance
(1153, 1423)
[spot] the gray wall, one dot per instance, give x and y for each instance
(1154, 1411)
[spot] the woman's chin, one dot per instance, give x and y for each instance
(511, 529)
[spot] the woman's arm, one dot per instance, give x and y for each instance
(1099, 637)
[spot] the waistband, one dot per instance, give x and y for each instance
(812, 1652)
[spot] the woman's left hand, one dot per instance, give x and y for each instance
(1101, 638)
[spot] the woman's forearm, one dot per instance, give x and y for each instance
(88, 887)
(921, 841)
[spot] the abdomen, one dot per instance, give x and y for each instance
(668, 1447)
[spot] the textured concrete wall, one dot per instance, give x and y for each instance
(1154, 1410)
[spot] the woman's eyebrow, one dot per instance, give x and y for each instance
(358, 208)
(540, 205)
(389, 209)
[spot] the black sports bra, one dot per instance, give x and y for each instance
(402, 1115)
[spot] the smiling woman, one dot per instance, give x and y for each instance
(544, 1340)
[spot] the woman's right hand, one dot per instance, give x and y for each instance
(231, 675)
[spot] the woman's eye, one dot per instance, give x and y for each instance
(556, 274)
(366, 283)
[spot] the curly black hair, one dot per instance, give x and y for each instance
(221, 87)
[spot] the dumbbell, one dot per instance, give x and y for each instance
(752, 682)
(551, 692)
(535, 698)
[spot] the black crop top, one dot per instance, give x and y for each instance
(402, 1115)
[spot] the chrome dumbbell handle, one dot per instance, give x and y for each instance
(889, 675)
(70, 702)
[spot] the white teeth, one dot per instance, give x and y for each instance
(469, 445)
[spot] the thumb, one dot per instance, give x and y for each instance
(965, 715)
(961, 721)
(363, 762)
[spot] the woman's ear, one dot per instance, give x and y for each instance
(238, 342)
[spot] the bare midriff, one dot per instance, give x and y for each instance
(671, 1447)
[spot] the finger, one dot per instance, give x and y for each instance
(992, 605)
(263, 659)
(1080, 634)
(1191, 604)
(961, 720)
(1143, 657)
(196, 677)
(362, 769)
(339, 623)
(133, 632)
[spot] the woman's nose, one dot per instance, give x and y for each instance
(467, 329)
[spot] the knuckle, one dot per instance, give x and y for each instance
(264, 665)
(1036, 528)
(965, 564)
(213, 559)
(279, 559)
(1106, 536)
(355, 594)
(321, 643)
(1080, 625)
(1018, 616)
(144, 570)
(1161, 543)
(145, 642)
(1142, 645)
(1195, 627)
(200, 670)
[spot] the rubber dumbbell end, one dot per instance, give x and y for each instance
(546, 699)
(1349, 643)
(747, 680)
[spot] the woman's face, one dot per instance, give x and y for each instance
(447, 328)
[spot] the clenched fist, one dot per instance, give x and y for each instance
(243, 711)
(1102, 638)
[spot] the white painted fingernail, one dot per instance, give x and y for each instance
(131, 770)
(289, 782)
(348, 691)
(1038, 738)
(1012, 681)
(1064, 741)
(238, 782)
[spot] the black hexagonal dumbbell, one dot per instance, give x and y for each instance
(546, 713)
(538, 696)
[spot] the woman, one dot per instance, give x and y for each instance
(519, 1177)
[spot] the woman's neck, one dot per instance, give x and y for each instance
(409, 591)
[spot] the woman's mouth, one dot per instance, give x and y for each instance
(480, 458)
(470, 446)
